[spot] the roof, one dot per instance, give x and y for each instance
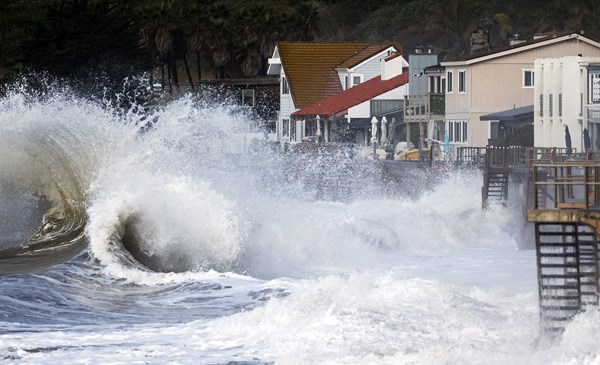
(500, 52)
(244, 82)
(310, 67)
(434, 68)
(513, 114)
(355, 95)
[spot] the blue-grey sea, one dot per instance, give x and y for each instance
(144, 236)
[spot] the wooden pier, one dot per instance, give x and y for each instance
(563, 203)
(566, 214)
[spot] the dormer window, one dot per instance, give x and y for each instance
(357, 79)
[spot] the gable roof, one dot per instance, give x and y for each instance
(360, 93)
(310, 68)
(505, 51)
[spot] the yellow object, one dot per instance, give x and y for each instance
(411, 155)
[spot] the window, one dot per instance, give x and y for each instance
(528, 79)
(248, 97)
(594, 91)
(581, 104)
(357, 79)
(382, 106)
(560, 105)
(541, 105)
(293, 131)
(285, 89)
(457, 131)
(462, 82)
(285, 127)
(346, 85)
(550, 106)
(437, 84)
(449, 80)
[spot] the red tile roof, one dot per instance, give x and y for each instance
(310, 67)
(360, 93)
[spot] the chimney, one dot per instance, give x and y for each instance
(516, 39)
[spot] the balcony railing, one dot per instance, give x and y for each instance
(420, 108)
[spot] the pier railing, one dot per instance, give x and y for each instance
(518, 156)
(566, 185)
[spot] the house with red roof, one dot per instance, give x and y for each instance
(327, 88)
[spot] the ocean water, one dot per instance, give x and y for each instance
(136, 237)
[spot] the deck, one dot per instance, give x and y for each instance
(563, 203)
(565, 209)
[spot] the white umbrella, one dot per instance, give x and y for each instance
(384, 139)
(374, 130)
(318, 126)
(392, 131)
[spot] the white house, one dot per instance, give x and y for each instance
(567, 95)
(313, 72)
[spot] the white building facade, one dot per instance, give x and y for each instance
(567, 95)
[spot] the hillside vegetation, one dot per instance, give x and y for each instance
(191, 40)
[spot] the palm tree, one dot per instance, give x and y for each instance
(219, 35)
(261, 29)
(459, 18)
(303, 21)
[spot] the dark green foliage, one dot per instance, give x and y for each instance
(79, 37)
(204, 39)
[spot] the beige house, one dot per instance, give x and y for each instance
(498, 80)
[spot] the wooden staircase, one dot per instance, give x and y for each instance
(567, 261)
(495, 186)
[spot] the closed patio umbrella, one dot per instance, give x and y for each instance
(392, 132)
(374, 130)
(586, 140)
(568, 140)
(384, 131)
(318, 127)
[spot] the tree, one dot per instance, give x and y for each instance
(80, 39)
(459, 18)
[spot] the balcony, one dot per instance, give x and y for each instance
(423, 108)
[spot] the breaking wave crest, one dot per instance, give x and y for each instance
(165, 189)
